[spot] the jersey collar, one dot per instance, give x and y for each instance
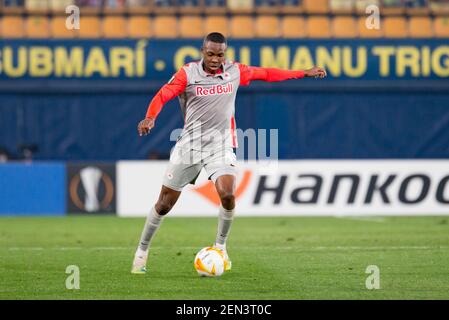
(207, 74)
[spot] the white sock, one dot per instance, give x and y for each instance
(225, 218)
(141, 253)
(220, 246)
(152, 224)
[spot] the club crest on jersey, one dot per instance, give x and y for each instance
(214, 90)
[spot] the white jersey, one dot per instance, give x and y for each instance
(208, 105)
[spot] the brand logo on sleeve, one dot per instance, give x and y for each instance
(214, 90)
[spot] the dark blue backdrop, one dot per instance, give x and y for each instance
(311, 123)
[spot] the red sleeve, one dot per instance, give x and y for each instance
(175, 86)
(249, 73)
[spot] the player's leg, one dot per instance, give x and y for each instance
(166, 201)
(225, 186)
(181, 170)
(221, 168)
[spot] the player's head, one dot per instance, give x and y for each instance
(213, 51)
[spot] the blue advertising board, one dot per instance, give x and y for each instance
(82, 99)
(32, 189)
(378, 59)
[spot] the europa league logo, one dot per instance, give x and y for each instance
(90, 178)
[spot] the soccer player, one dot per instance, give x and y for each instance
(206, 91)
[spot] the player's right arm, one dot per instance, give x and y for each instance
(175, 86)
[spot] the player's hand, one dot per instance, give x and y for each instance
(145, 126)
(315, 72)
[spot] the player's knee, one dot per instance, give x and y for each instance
(163, 207)
(166, 201)
(227, 200)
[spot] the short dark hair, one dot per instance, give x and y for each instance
(216, 37)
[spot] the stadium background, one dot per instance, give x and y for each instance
(367, 142)
(71, 99)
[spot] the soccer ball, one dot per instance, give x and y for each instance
(209, 262)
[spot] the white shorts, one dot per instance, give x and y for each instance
(185, 166)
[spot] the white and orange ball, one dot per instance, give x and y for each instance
(209, 262)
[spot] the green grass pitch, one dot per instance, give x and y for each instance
(273, 258)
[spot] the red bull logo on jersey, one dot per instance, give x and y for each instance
(214, 90)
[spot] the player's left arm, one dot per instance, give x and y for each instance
(250, 73)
